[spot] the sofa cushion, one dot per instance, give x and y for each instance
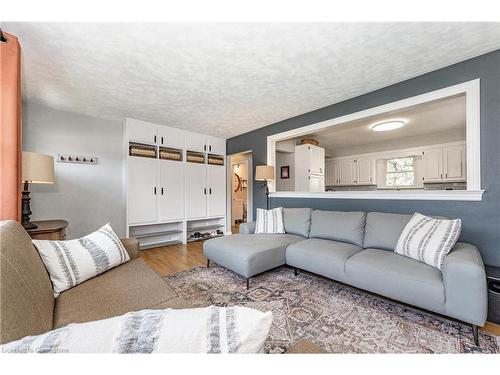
(323, 257)
(382, 230)
(129, 287)
(269, 221)
(26, 297)
(297, 221)
(249, 254)
(338, 226)
(398, 277)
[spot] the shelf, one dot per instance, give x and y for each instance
(167, 153)
(142, 150)
(216, 160)
(159, 244)
(195, 229)
(153, 234)
(203, 238)
(195, 157)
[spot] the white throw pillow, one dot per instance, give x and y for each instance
(269, 221)
(70, 263)
(428, 239)
(203, 330)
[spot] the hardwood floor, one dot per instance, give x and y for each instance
(168, 260)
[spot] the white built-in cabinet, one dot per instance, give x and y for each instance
(175, 183)
(350, 171)
(444, 164)
(309, 168)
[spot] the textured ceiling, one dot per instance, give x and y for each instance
(227, 79)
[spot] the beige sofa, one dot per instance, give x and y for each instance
(27, 303)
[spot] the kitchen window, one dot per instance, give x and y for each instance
(400, 172)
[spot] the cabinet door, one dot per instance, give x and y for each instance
(332, 173)
(216, 190)
(171, 137)
(454, 163)
(140, 131)
(142, 182)
(317, 157)
(347, 172)
(171, 190)
(196, 142)
(196, 190)
(316, 182)
(216, 145)
(365, 171)
(433, 165)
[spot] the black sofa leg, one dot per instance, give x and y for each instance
(208, 263)
(248, 282)
(296, 271)
(475, 333)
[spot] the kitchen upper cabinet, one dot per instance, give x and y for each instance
(216, 145)
(310, 159)
(216, 183)
(454, 163)
(141, 131)
(171, 137)
(170, 190)
(196, 190)
(365, 171)
(332, 172)
(196, 142)
(347, 172)
(432, 161)
(142, 190)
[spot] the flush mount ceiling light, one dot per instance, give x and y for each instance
(387, 125)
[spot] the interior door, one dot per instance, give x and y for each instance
(347, 172)
(433, 165)
(196, 190)
(171, 190)
(364, 169)
(216, 190)
(142, 190)
(454, 163)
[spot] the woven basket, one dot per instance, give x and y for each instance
(309, 141)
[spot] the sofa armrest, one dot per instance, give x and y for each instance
(132, 247)
(465, 284)
(247, 228)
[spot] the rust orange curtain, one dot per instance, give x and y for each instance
(10, 129)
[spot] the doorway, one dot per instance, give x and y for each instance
(240, 185)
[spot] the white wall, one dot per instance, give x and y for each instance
(283, 159)
(87, 196)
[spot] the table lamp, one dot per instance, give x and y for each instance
(265, 173)
(36, 169)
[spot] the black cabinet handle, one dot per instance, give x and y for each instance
(210, 191)
(204, 147)
(161, 191)
(161, 140)
(154, 190)
(205, 191)
(154, 138)
(210, 148)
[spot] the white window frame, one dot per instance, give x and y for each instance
(414, 171)
(471, 89)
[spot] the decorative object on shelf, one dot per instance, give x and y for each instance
(265, 173)
(36, 169)
(195, 157)
(309, 141)
(145, 151)
(285, 172)
(77, 159)
(215, 160)
(49, 230)
(170, 154)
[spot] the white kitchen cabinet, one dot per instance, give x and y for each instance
(365, 171)
(141, 131)
(347, 172)
(432, 161)
(142, 190)
(216, 183)
(196, 190)
(316, 183)
(332, 170)
(216, 145)
(196, 142)
(454, 163)
(309, 165)
(170, 190)
(171, 137)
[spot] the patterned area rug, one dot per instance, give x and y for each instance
(336, 317)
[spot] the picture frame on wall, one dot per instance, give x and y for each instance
(285, 172)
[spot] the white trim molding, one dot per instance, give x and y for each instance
(471, 89)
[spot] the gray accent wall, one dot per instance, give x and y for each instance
(480, 220)
(87, 196)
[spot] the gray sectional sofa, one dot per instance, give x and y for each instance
(356, 248)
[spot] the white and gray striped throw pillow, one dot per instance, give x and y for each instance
(269, 221)
(70, 263)
(428, 240)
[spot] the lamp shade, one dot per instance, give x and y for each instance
(264, 173)
(37, 168)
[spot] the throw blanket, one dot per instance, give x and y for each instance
(203, 330)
